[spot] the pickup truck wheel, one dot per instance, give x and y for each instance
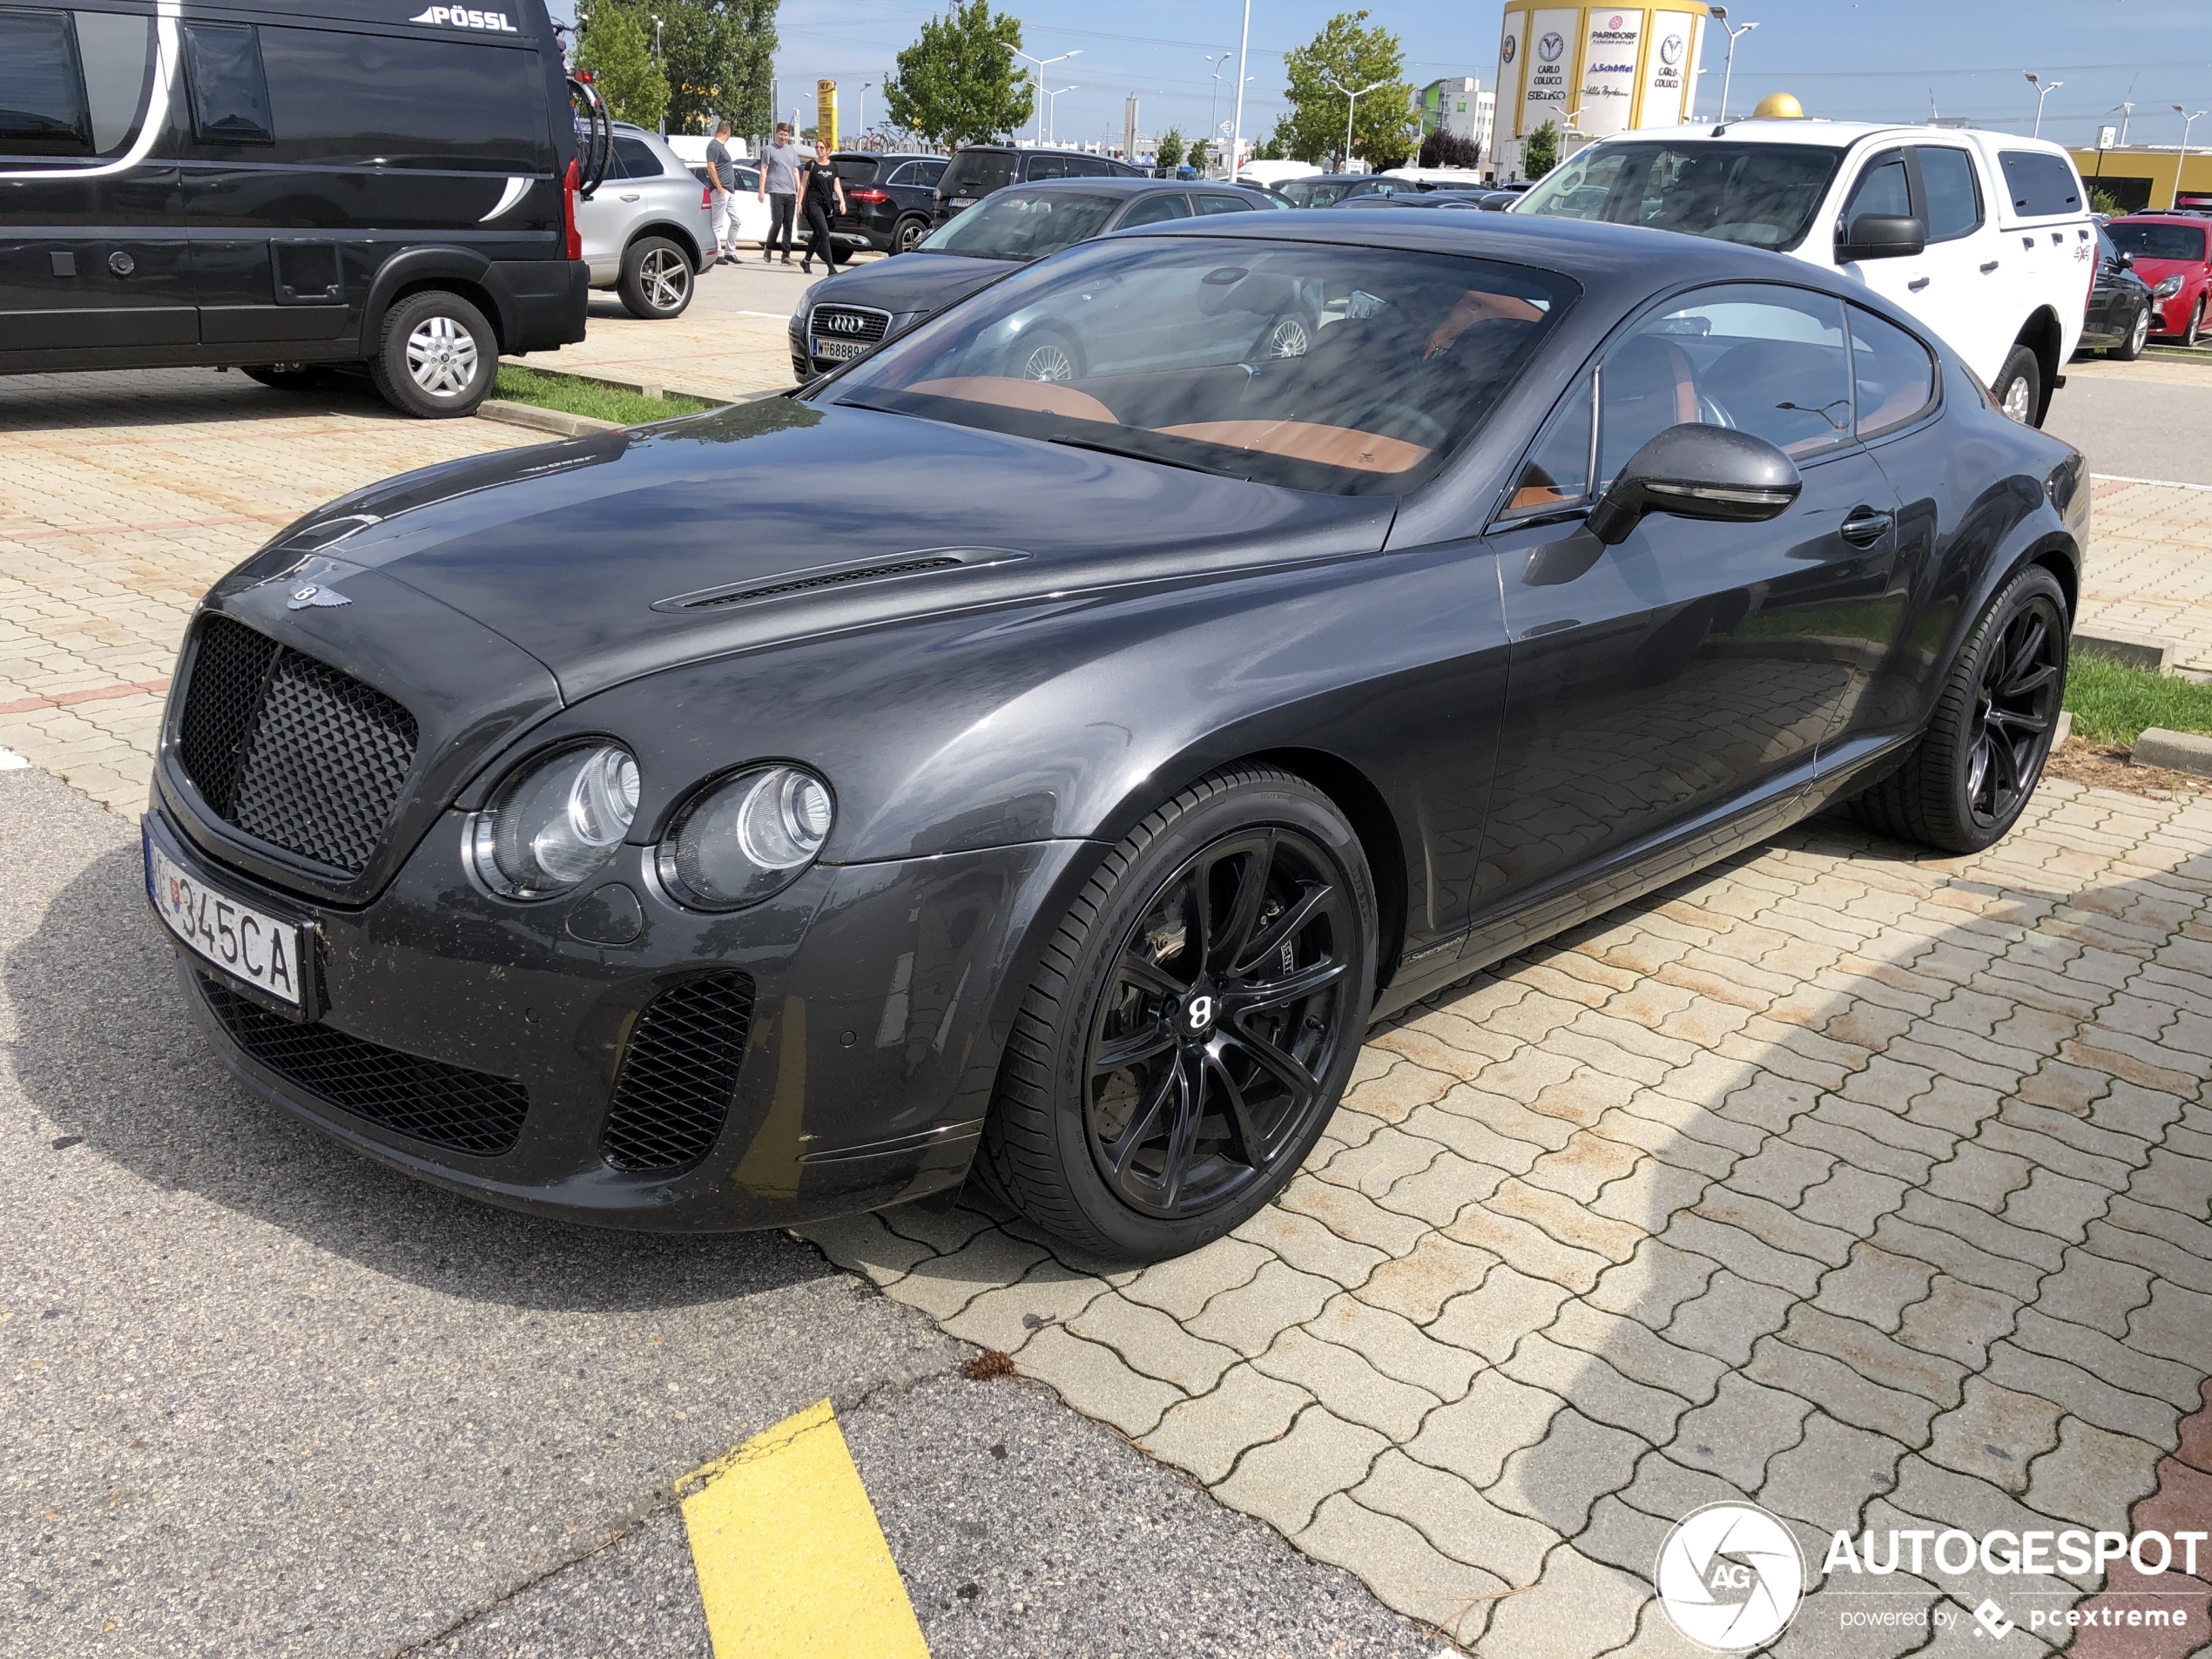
(1967, 780)
(656, 280)
(435, 356)
(2019, 389)
(2131, 345)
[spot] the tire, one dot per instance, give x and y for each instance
(1046, 355)
(656, 279)
(1936, 797)
(908, 235)
(2195, 323)
(435, 356)
(288, 377)
(2018, 387)
(2131, 344)
(1126, 1160)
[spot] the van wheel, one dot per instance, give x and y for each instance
(2131, 345)
(1192, 1022)
(288, 377)
(2018, 390)
(908, 236)
(436, 356)
(655, 278)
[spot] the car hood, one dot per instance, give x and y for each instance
(621, 554)
(913, 282)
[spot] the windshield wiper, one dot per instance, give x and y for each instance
(1136, 452)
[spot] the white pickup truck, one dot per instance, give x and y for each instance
(1985, 237)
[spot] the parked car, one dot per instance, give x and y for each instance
(753, 212)
(649, 229)
(977, 170)
(284, 187)
(1490, 201)
(1070, 799)
(845, 315)
(1330, 188)
(2170, 253)
(894, 198)
(1985, 237)
(2118, 317)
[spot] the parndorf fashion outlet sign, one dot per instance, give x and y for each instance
(1731, 1578)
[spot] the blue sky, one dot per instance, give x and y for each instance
(1875, 59)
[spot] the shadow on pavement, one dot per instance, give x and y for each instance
(165, 397)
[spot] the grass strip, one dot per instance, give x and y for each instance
(573, 396)
(2113, 704)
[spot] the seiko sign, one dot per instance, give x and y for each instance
(463, 17)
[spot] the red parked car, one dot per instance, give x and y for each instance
(2172, 254)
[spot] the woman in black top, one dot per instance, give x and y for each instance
(821, 192)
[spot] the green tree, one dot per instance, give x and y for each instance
(619, 54)
(717, 57)
(1269, 150)
(1541, 154)
(1168, 152)
(957, 83)
(1197, 156)
(1357, 57)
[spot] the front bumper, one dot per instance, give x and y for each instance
(880, 994)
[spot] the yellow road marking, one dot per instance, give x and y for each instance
(791, 1562)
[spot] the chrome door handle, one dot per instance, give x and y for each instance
(1865, 527)
(629, 195)
(1917, 284)
(1988, 268)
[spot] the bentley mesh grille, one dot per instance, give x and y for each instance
(290, 748)
(678, 1074)
(833, 579)
(425, 1100)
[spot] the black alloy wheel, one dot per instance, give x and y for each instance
(908, 236)
(1970, 775)
(1192, 1021)
(1223, 1010)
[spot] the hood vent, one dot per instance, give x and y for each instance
(816, 580)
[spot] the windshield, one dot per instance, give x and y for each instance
(1349, 370)
(1763, 195)
(1023, 225)
(977, 172)
(2153, 241)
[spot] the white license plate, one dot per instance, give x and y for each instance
(838, 351)
(963, 201)
(245, 943)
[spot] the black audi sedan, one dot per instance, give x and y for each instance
(844, 315)
(642, 830)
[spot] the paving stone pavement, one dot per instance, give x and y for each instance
(2150, 569)
(1873, 1187)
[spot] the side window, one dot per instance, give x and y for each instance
(930, 172)
(1050, 166)
(1953, 192)
(116, 54)
(748, 179)
(634, 159)
(1763, 358)
(1893, 375)
(1557, 472)
(42, 88)
(906, 173)
(1087, 167)
(230, 94)
(1157, 210)
(1881, 189)
(1224, 204)
(357, 99)
(2041, 184)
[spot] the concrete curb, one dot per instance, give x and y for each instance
(2063, 730)
(528, 415)
(2131, 650)
(2189, 751)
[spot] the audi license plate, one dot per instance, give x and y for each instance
(838, 351)
(247, 944)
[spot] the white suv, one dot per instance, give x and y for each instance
(1985, 236)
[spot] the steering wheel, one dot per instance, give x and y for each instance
(1423, 428)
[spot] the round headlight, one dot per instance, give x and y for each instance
(557, 821)
(747, 838)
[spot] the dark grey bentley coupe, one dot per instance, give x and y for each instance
(659, 829)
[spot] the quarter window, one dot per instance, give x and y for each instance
(1224, 204)
(1557, 472)
(1765, 360)
(42, 88)
(2041, 184)
(230, 94)
(1893, 375)
(634, 159)
(1953, 192)
(1159, 210)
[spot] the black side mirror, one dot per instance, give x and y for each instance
(1881, 236)
(1709, 472)
(2126, 261)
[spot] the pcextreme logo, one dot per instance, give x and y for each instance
(464, 18)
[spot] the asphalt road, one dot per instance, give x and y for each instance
(2131, 426)
(262, 1397)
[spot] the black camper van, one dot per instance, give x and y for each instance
(282, 188)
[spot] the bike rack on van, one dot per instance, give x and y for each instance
(598, 137)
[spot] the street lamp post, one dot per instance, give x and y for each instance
(1052, 121)
(1213, 105)
(2043, 90)
(1037, 77)
(1351, 103)
(2181, 160)
(1237, 130)
(1719, 15)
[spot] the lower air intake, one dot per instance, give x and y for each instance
(679, 1074)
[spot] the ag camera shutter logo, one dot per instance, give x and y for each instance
(1731, 1577)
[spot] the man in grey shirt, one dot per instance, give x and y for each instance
(723, 173)
(779, 189)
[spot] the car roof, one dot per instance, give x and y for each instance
(885, 155)
(2157, 216)
(1831, 135)
(1122, 185)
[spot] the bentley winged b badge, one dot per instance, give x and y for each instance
(314, 595)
